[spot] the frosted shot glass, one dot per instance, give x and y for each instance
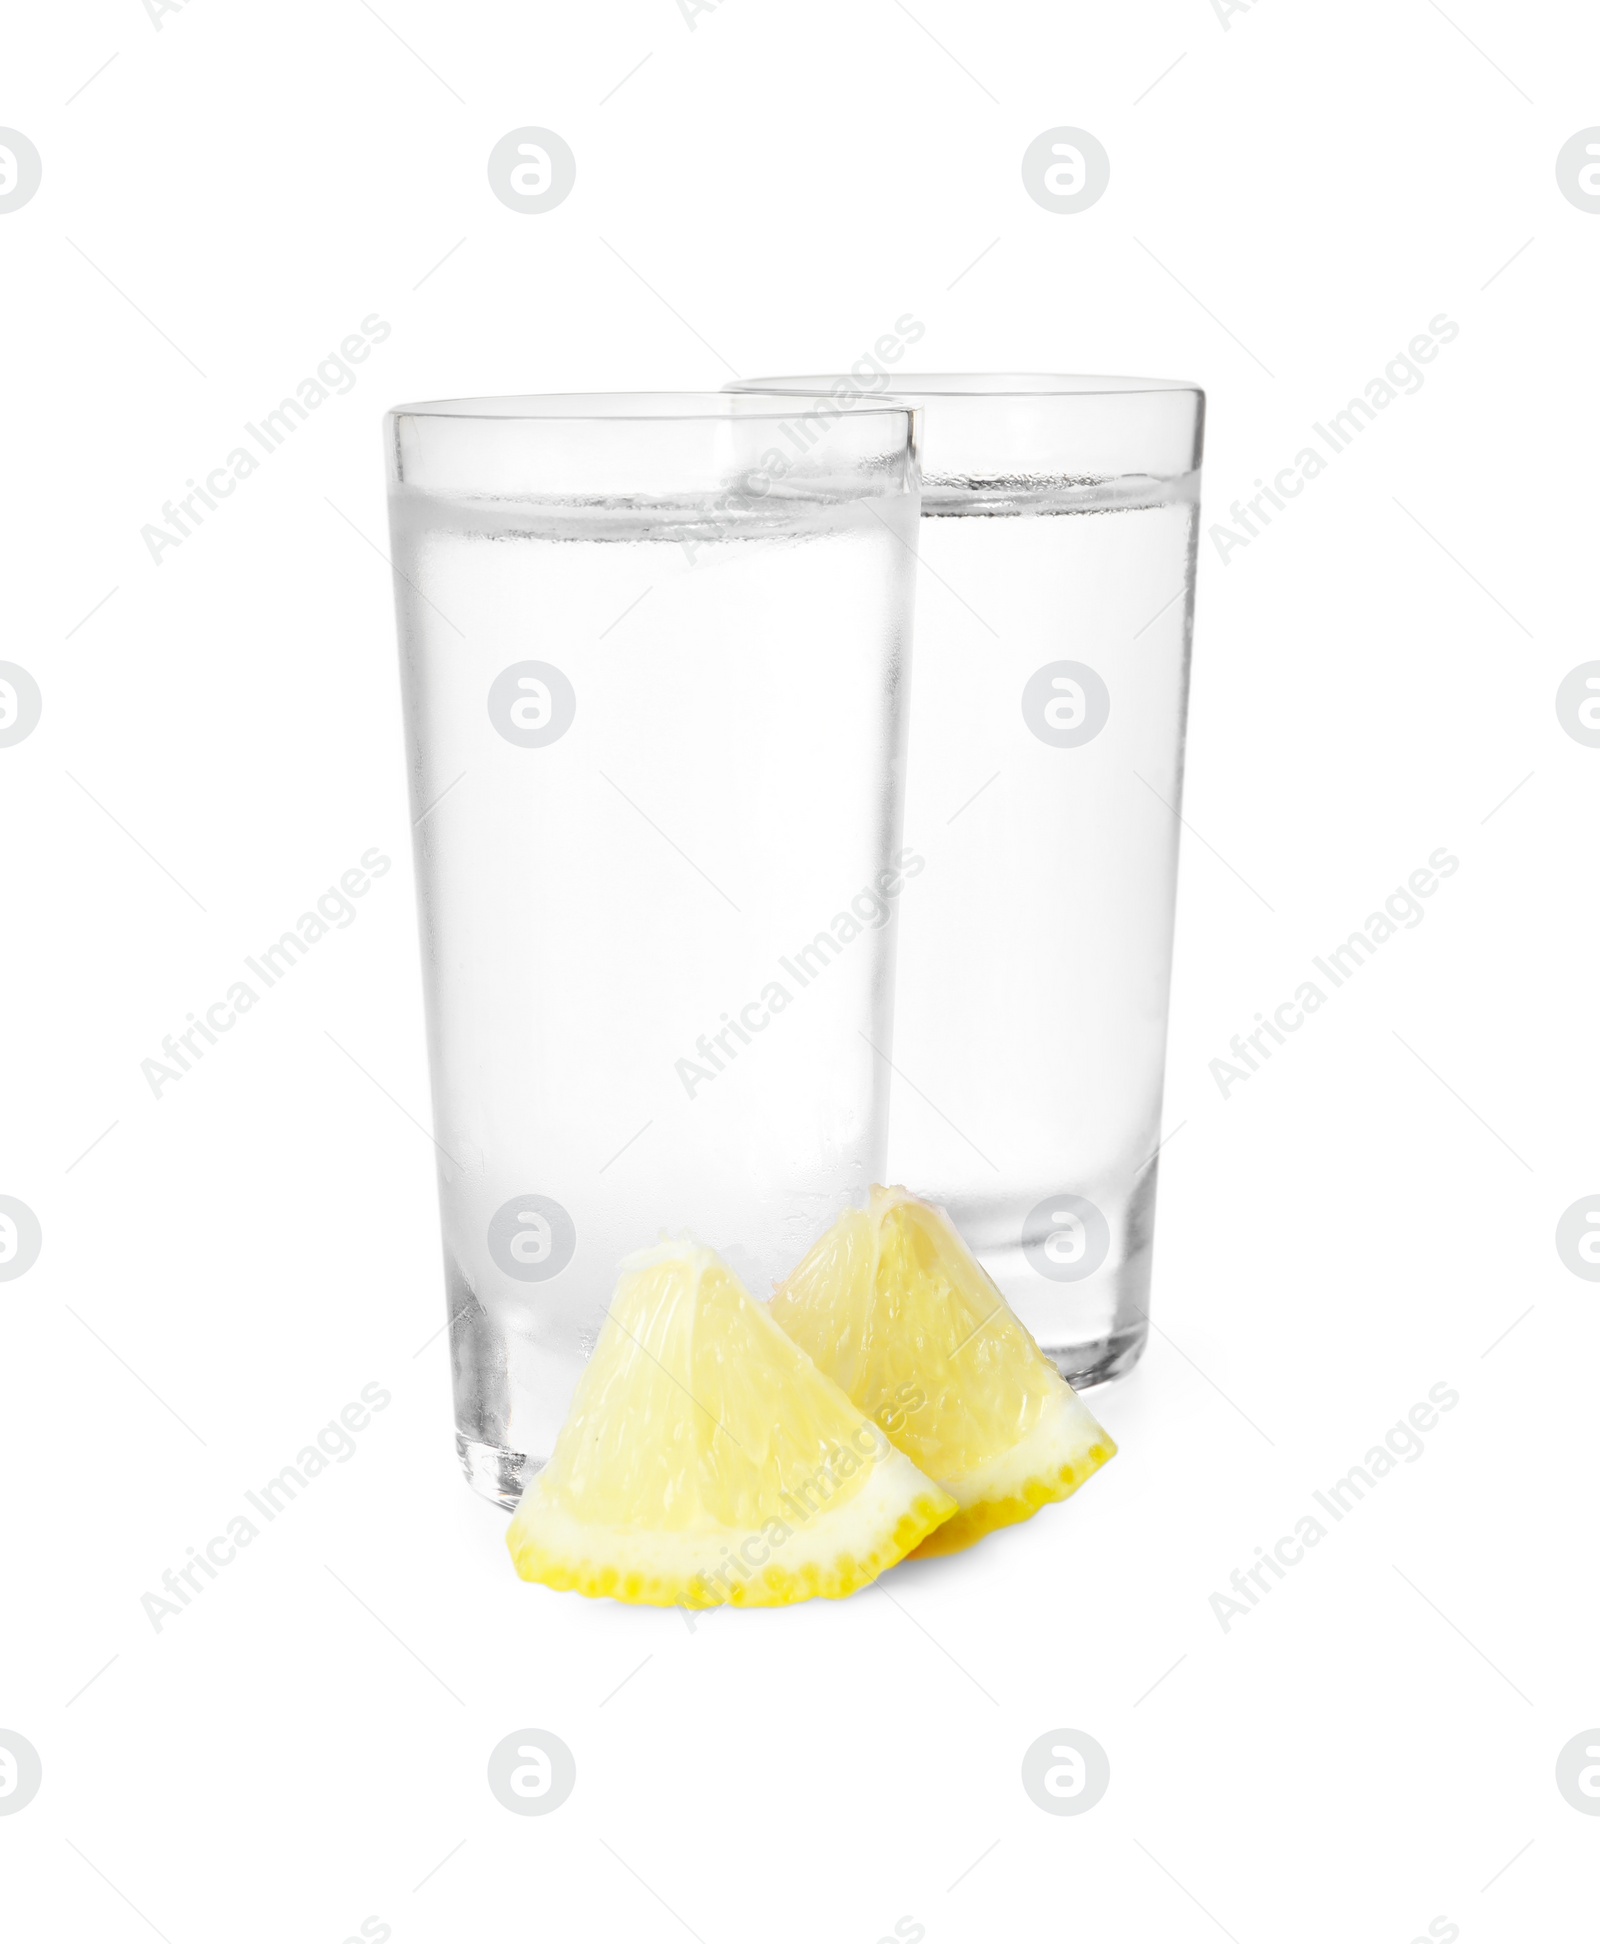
(1055, 607)
(653, 658)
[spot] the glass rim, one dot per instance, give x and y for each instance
(976, 384)
(652, 408)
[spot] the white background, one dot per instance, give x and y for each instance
(1373, 1747)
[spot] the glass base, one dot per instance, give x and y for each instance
(1085, 1365)
(1091, 1324)
(499, 1475)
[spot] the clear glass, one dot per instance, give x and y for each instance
(1059, 520)
(653, 651)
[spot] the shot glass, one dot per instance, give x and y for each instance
(1059, 520)
(653, 653)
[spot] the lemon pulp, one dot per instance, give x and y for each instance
(706, 1460)
(893, 1306)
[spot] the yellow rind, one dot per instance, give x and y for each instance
(1061, 1452)
(582, 1565)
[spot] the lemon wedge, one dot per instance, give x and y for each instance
(892, 1305)
(706, 1460)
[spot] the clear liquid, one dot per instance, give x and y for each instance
(1035, 951)
(600, 909)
